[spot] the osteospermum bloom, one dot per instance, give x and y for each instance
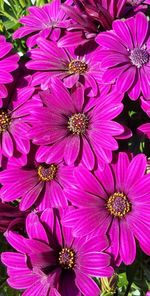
(50, 61)
(46, 21)
(51, 261)
(93, 16)
(115, 200)
(36, 183)
(77, 129)
(14, 120)
(126, 55)
(8, 63)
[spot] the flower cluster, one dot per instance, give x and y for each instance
(75, 202)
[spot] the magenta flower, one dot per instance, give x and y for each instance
(36, 183)
(52, 262)
(46, 21)
(77, 129)
(50, 61)
(14, 120)
(125, 55)
(94, 15)
(8, 63)
(115, 200)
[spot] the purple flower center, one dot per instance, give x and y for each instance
(77, 123)
(139, 57)
(5, 121)
(67, 258)
(118, 205)
(47, 172)
(77, 66)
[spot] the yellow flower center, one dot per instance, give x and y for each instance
(67, 258)
(47, 172)
(118, 205)
(77, 123)
(5, 121)
(77, 66)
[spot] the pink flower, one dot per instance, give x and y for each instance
(14, 119)
(70, 65)
(116, 201)
(126, 55)
(8, 63)
(78, 128)
(50, 261)
(37, 183)
(47, 21)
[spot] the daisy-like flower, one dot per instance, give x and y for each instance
(126, 55)
(115, 200)
(94, 15)
(36, 183)
(145, 127)
(46, 21)
(79, 130)
(50, 61)
(14, 120)
(52, 262)
(8, 63)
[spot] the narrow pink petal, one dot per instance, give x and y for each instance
(86, 181)
(126, 79)
(86, 285)
(14, 260)
(121, 29)
(121, 171)
(72, 149)
(114, 236)
(7, 144)
(88, 157)
(30, 197)
(35, 229)
(127, 243)
(141, 28)
(71, 80)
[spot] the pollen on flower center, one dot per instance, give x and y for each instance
(78, 123)
(118, 205)
(67, 258)
(47, 172)
(139, 57)
(5, 121)
(77, 66)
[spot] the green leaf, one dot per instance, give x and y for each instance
(122, 280)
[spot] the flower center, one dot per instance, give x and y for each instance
(118, 205)
(47, 172)
(78, 123)
(5, 121)
(77, 66)
(139, 57)
(67, 258)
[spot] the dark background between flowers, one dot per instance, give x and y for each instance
(132, 280)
